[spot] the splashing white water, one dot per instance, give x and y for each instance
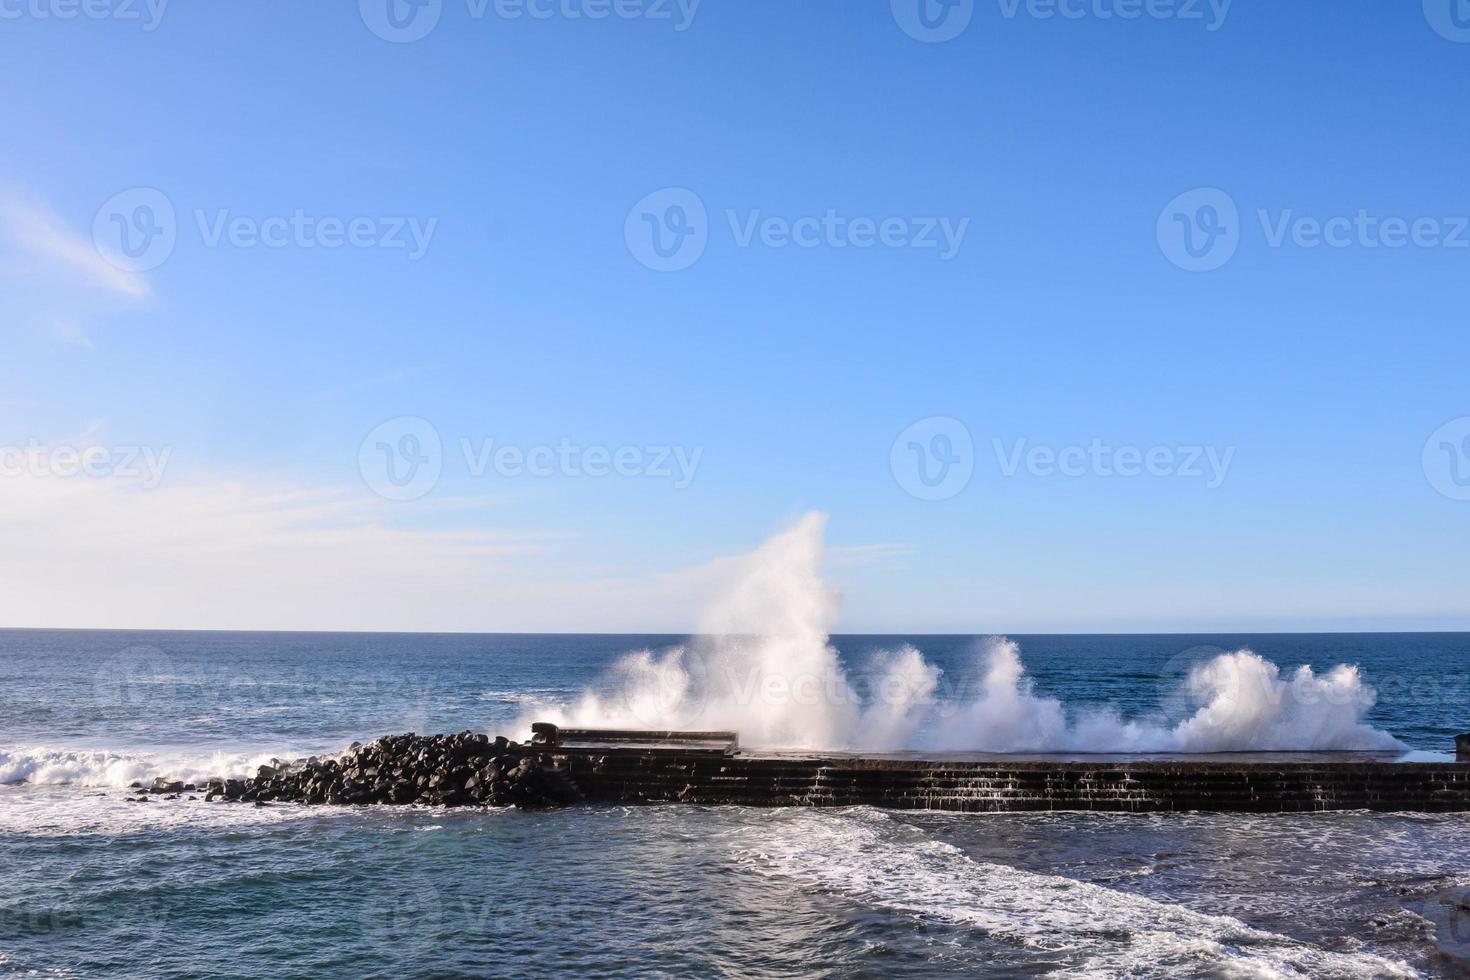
(1241, 702)
(762, 665)
(50, 766)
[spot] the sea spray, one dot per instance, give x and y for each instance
(1240, 702)
(763, 665)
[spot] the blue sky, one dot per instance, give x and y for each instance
(530, 153)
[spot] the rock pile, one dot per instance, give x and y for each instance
(169, 789)
(467, 769)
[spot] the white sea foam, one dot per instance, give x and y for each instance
(528, 696)
(10, 966)
(66, 811)
(763, 666)
(1088, 930)
(50, 766)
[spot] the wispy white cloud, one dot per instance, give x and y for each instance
(70, 332)
(105, 551)
(42, 243)
(211, 552)
(226, 554)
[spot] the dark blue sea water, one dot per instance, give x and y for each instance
(91, 885)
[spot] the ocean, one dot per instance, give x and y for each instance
(92, 885)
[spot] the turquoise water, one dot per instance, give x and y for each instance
(91, 885)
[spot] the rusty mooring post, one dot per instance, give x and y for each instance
(1462, 747)
(544, 735)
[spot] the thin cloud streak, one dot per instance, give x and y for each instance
(225, 554)
(39, 234)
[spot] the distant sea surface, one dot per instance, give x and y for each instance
(94, 886)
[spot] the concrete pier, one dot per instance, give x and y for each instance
(708, 768)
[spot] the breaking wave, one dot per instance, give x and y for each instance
(45, 766)
(762, 665)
